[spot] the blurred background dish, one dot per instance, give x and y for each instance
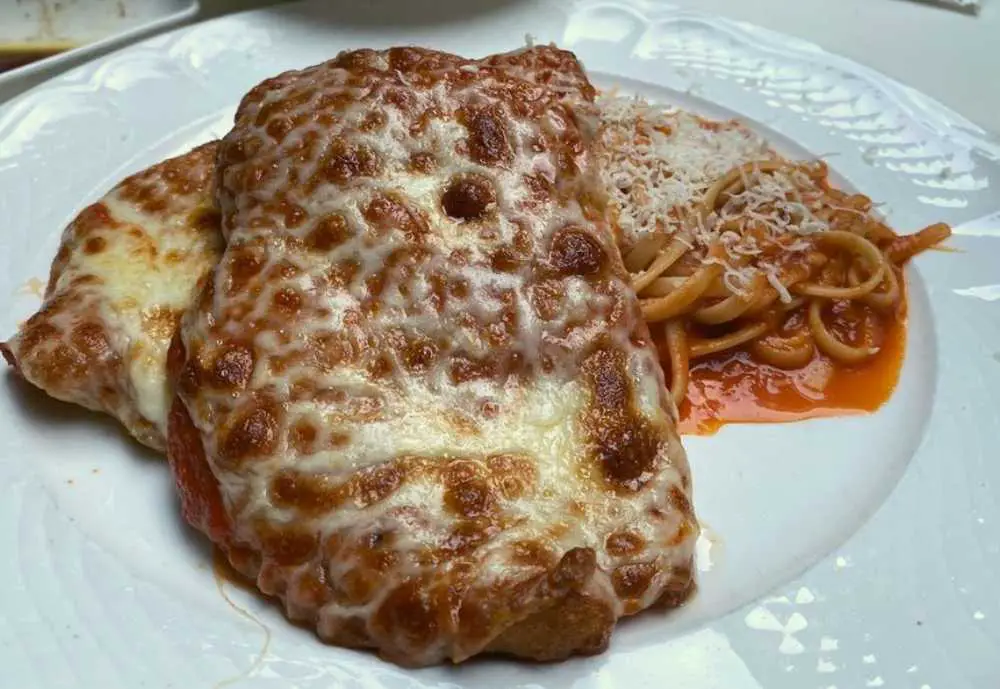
(33, 30)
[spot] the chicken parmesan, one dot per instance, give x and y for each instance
(127, 267)
(773, 295)
(417, 401)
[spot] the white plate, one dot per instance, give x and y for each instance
(852, 552)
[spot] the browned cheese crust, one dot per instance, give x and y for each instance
(127, 267)
(417, 401)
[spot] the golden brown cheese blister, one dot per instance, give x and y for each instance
(417, 401)
(127, 267)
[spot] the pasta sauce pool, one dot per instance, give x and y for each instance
(732, 387)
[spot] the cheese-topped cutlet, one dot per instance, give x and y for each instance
(417, 401)
(127, 267)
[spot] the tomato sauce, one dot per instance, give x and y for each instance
(732, 387)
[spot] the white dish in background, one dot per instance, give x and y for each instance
(851, 552)
(972, 6)
(78, 28)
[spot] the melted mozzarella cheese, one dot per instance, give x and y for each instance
(127, 268)
(404, 332)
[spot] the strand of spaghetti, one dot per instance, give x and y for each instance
(769, 295)
(879, 299)
(707, 347)
(829, 344)
(663, 286)
(681, 299)
(730, 308)
(785, 352)
(773, 311)
(879, 233)
(677, 348)
(819, 172)
(859, 202)
(903, 248)
(735, 177)
(795, 303)
(860, 246)
(666, 258)
(644, 251)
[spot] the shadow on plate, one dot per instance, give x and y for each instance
(51, 417)
(48, 414)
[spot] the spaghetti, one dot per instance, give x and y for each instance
(765, 258)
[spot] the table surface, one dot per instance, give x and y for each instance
(952, 56)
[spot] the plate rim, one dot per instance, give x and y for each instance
(942, 118)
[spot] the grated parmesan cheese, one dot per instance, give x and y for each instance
(659, 163)
(772, 277)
